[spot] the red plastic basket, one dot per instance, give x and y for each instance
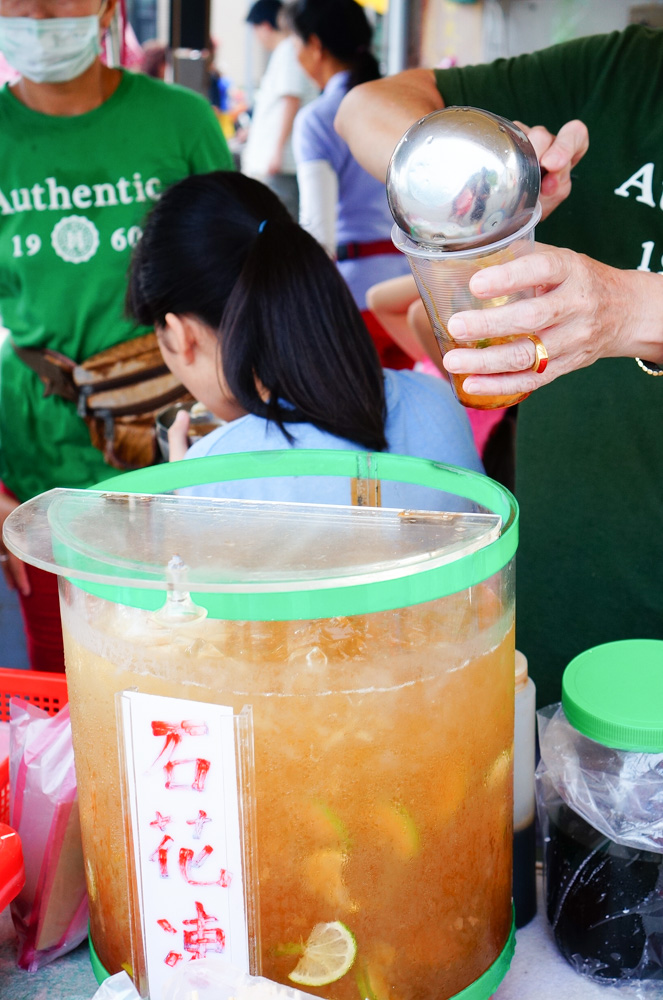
(47, 691)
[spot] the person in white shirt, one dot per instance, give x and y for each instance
(284, 89)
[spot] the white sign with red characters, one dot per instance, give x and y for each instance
(181, 780)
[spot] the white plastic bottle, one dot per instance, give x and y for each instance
(524, 803)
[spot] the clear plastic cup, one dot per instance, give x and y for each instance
(443, 278)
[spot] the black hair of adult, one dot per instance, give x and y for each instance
(223, 248)
(343, 29)
(264, 12)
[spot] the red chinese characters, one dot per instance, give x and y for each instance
(174, 734)
(198, 823)
(187, 861)
(161, 821)
(204, 937)
(189, 771)
(200, 771)
(161, 855)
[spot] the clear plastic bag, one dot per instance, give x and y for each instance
(210, 978)
(601, 813)
(619, 792)
(215, 978)
(50, 914)
(117, 987)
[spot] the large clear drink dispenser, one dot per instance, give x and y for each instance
(375, 648)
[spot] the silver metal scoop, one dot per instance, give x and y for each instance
(461, 178)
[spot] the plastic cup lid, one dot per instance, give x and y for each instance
(613, 694)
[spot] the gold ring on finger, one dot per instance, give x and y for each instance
(540, 355)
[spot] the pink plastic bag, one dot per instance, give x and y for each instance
(50, 914)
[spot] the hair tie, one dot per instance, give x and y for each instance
(262, 225)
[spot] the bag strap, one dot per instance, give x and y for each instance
(127, 363)
(82, 380)
(55, 370)
(58, 373)
(133, 409)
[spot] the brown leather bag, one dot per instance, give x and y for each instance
(118, 393)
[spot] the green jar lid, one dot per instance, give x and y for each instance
(613, 694)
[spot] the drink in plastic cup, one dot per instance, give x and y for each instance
(443, 278)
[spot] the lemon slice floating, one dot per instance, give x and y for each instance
(328, 955)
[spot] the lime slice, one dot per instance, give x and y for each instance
(328, 955)
(324, 823)
(323, 874)
(397, 829)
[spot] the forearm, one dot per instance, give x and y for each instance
(420, 325)
(400, 331)
(373, 116)
(395, 295)
(390, 301)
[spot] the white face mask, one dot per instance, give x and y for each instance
(50, 50)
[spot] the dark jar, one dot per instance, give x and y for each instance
(604, 901)
(600, 800)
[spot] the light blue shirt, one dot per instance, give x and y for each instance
(363, 211)
(424, 420)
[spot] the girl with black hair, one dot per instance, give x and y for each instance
(340, 204)
(257, 323)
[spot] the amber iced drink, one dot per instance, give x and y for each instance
(375, 648)
(443, 279)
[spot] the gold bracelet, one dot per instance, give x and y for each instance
(650, 367)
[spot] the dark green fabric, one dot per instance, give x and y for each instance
(65, 247)
(589, 473)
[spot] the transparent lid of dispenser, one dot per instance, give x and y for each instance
(251, 559)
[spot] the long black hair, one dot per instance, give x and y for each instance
(223, 248)
(343, 29)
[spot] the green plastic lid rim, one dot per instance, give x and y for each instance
(344, 600)
(481, 989)
(610, 734)
(486, 985)
(100, 973)
(638, 738)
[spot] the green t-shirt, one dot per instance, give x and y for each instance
(73, 194)
(589, 474)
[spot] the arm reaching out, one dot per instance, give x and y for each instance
(178, 436)
(373, 116)
(15, 573)
(391, 301)
(398, 306)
